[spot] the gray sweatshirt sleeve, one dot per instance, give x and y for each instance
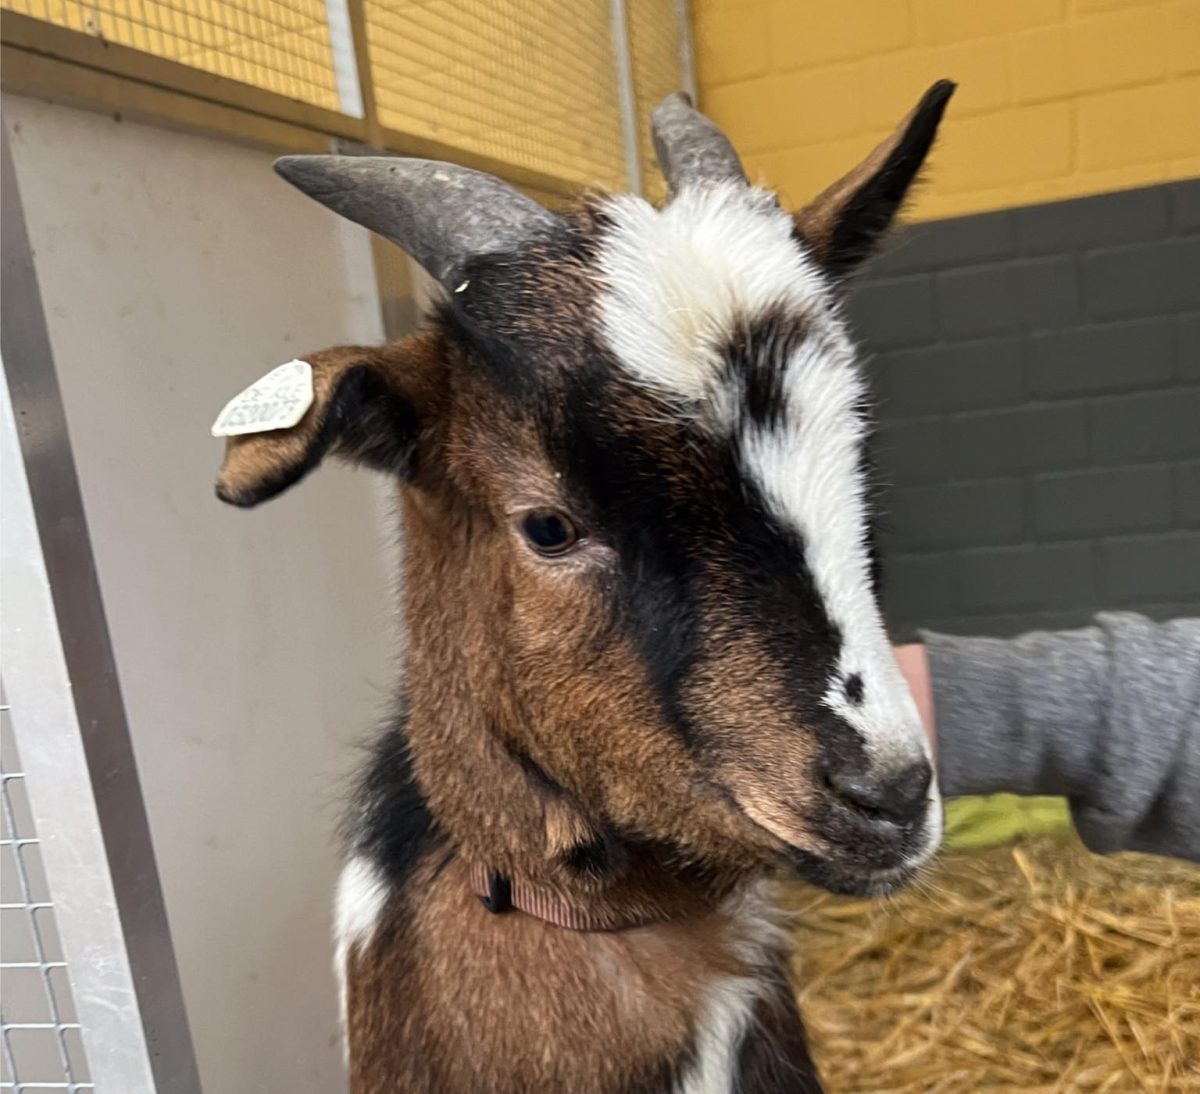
(1107, 716)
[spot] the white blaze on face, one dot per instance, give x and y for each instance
(679, 284)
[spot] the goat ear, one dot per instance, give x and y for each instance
(843, 224)
(363, 410)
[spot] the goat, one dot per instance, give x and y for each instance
(647, 668)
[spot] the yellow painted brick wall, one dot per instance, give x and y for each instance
(1056, 98)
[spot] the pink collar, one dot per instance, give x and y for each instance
(500, 894)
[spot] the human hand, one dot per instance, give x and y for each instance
(914, 664)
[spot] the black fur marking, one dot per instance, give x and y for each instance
(520, 315)
(867, 468)
(499, 356)
(365, 420)
(635, 510)
(870, 211)
(780, 592)
(757, 358)
(589, 859)
(389, 821)
(690, 525)
(601, 857)
(774, 1056)
(369, 422)
(854, 688)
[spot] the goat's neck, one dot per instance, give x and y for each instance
(497, 816)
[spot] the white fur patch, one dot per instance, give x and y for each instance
(679, 278)
(679, 282)
(729, 1006)
(809, 472)
(362, 892)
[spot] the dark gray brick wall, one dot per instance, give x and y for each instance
(1037, 374)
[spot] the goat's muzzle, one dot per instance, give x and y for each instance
(876, 828)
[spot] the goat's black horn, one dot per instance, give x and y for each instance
(690, 148)
(439, 213)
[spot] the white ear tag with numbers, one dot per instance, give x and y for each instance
(277, 401)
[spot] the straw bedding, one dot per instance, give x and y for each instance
(1035, 967)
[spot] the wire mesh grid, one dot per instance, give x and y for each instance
(529, 83)
(281, 46)
(40, 1043)
(524, 82)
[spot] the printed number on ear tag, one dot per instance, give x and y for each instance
(277, 401)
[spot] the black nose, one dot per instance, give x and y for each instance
(897, 796)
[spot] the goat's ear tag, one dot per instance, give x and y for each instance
(277, 401)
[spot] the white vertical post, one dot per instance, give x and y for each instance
(687, 55)
(626, 95)
(345, 60)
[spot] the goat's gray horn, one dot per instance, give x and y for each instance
(439, 213)
(690, 148)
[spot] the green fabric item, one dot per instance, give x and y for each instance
(1002, 818)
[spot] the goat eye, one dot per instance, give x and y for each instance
(549, 532)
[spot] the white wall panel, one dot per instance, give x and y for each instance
(254, 648)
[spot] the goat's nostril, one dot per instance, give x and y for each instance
(898, 797)
(860, 790)
(911, 786)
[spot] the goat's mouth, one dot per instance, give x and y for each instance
(848, 852)
(870, 862)
(848, 881)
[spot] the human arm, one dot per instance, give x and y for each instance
(1107, 716)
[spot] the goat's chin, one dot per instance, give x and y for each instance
(847, 882)
(858, 859)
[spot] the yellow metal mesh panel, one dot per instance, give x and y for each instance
(276, 45)
(529, 83)
(656, 56)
